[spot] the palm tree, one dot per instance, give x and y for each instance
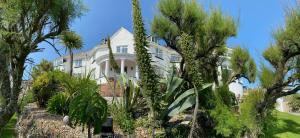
(71, 41)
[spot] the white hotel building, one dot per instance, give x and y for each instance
(96, 60)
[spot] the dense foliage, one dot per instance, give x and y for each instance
(45, 86)
(24, 25)
(59, 104)
(123, 118)
(294, 102)
(43, 66)
(87, 107)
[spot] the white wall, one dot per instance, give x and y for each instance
(237, 88)
(122, 38)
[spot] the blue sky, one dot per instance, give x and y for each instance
(257, 19)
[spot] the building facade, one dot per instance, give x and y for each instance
(96, 60)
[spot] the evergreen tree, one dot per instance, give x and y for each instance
(208, 31)
(147, 74)
(281, 78)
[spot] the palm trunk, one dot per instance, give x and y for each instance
(71, 62)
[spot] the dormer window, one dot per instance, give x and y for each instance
(122, 49)
(158, 53)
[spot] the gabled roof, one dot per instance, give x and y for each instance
(122, 29)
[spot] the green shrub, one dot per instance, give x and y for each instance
(26, 99)
(87, 107)
(227, 123)
(59, 104)
(142, 122)
(180, 131)
(294, 102)
(252, 123)
(122, 118)
(43, 87)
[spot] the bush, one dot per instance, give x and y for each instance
(252, 123)
(142, 122)
(122, 118)
(87, 107)
(294, 102)
(45, 86)
(180, 131)
(227, 123)
(59, 104)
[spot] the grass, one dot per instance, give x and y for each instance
(288, 126)
(9, 130)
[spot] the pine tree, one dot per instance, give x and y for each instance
(282, 77)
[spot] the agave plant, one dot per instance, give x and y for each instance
(176, 100)
(131, 91)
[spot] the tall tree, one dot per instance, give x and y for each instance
(200, 38)
(209, 32)
(147, 74)
(24, 25)
(71, 41)
(281, 78)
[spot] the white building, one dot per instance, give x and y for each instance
(96, 60)
(122, 44)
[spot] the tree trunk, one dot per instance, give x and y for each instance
(17, 69)
(71, 62)
(89, 131)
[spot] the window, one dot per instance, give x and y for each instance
(122, 49)
(174, 58)
(78, 63)
(158, 53)
(125, 69)
(79, 75)
(58, 62)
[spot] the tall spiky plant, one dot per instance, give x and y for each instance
(112, 60)
(148, 76)
(114, 65)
